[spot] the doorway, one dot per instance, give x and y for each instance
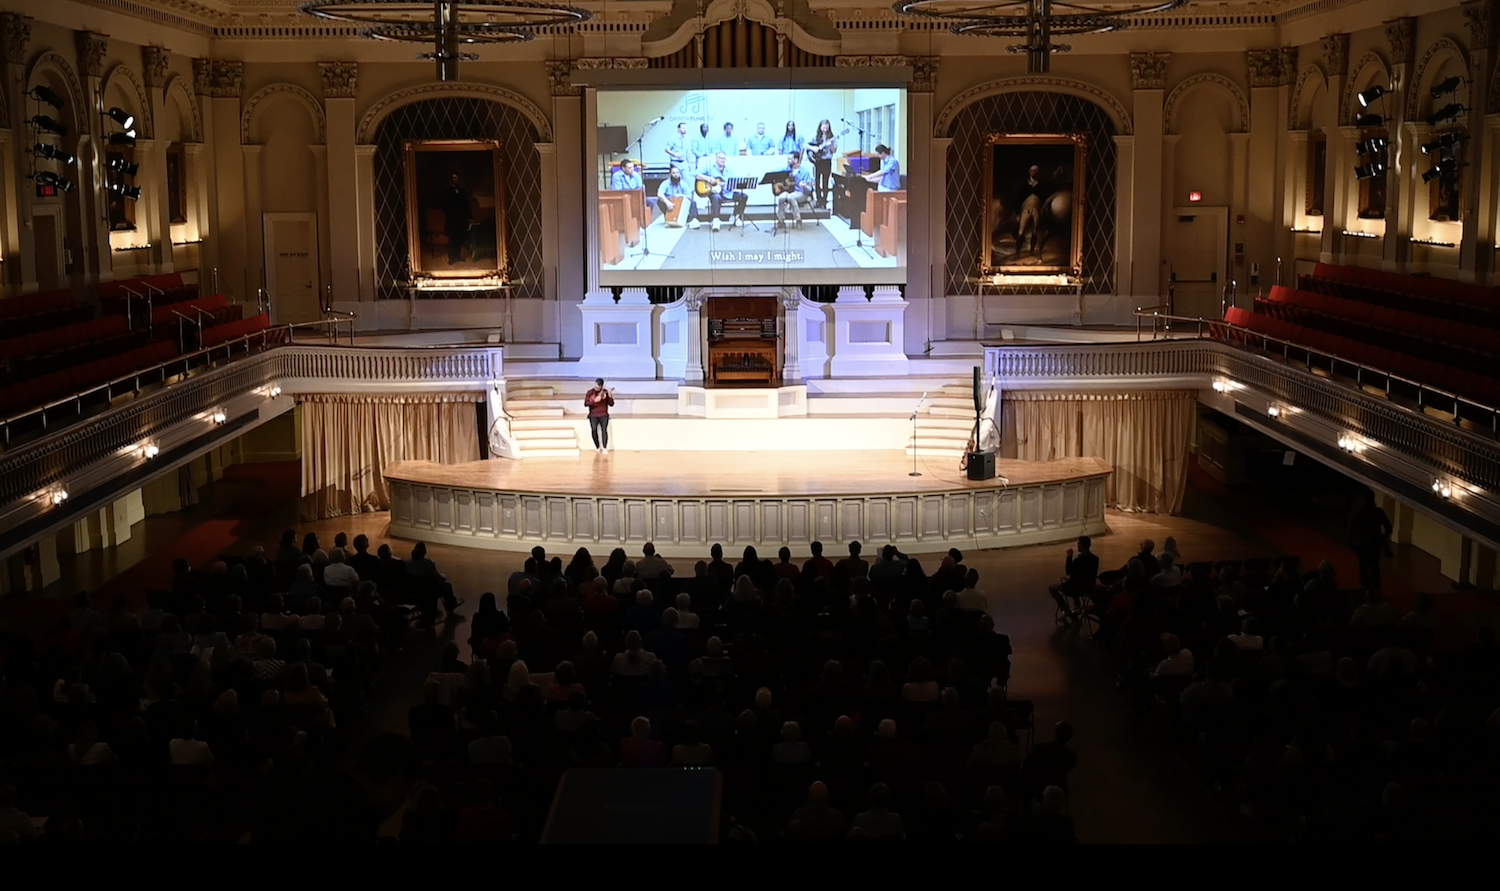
(292, 274)
(51, 253)
(1199, 260)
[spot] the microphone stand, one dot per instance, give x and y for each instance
(859, 233)
(645, 201)
(914, 410)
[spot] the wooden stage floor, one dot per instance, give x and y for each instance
(734, 474)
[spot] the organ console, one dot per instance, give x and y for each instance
(743, 347)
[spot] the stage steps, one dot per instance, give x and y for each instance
(539, 422)
(946, 422)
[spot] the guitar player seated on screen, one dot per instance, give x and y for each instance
(675, 198)
(794, 193)
(713, 178)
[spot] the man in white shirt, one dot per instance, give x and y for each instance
(1249, 637)
(970, 597)
(1170, 575)
(1179, 661)
(651, 566)
(338, 574)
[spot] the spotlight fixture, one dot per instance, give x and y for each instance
(123, 167)
(1219, 386)
(1350, 444)
(1447, 85)
(1370, 120)
(1371, 146)
(1370, 170)
(126, 139)
(1442, 168)
(45, 95)
(219, 417)
(49, 125)
(1444, 142)
(1442, 489)
(1273, 411)
(150, 450)
(59, 496)
(131, 192)
(273, 392)
(122, 117)
(48, 178)
(52, 153)
(1446, 113)
(1370, 95)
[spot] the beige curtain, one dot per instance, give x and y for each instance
(347, 441)
(1143, 435)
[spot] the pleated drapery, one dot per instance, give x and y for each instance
(347, 442)
(1143, 435)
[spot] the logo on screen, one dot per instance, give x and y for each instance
(692, 104)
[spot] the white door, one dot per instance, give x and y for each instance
(51, 257)
(291, 259)
(1199, 259)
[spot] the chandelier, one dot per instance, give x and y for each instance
(448, 24)
(1034, 21)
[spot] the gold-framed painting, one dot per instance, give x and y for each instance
(455, 207)
(1034, 203)
(1372, 189)
(121, 209)
(1443, 204)
(1317, 170)
(176, 184)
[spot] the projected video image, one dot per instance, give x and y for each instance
(752, 186)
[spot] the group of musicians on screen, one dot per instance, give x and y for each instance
(706, 160)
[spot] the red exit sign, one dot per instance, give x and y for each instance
(46, 191)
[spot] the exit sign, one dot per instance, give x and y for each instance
(1195, 197)
(46, 191)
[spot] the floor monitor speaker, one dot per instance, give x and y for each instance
(981, 465)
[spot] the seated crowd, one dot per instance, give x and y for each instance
(1315, 712)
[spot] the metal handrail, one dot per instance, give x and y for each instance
(1359, 367)
(185, 361)
(330, 311)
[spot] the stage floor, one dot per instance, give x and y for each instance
(685, 501)
(735, 474)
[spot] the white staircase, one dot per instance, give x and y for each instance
(945, 423)
(538, 422)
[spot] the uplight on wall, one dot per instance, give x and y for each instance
(1442, 489)
(59, 496)
(1273, 412)
(150, 450)
(219, 417)
(1351, 444)
(1220, 386)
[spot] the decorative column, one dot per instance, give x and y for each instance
(20, 258)
(791, 337)
(1401, 152)
(340, 87)
(1147, 81)
(1124, 205)
(218, 86)
(547, 157)
(1271, 74)
(254, 240)
(575, 225)
(693, 300)
(869, 335)
(920, 201)
(364, 184)
(1476, 254)
(617, 341)
(196, 181)
(1336, 174)
(93, 235)
(154, 73)
(937, 271)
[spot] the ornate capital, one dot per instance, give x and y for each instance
(560, 78)
(1336, 54)
(154, 66)
(924, 71)
(694, 299)
(1479, 19)
(92, 48)
(340, 79)
(1148, 71)
(15, 34)
(602, 62)
(1272, 67)
(1401, 34)
(217, 79)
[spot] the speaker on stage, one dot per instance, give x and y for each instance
(612, 140)
(981, 465)
(978, 396)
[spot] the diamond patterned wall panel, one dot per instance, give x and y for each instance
(1019, 113)
(459, 119)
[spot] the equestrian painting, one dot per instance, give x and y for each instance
(1034, 204)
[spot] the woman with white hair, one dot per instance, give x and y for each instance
(518, 679)
(633, 661)
(687, 620)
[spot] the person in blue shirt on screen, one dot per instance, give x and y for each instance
(626, 177)
(678, 147)
(729, 145)
(701, 147)
(797, 191)
(674, 192)
(760, 143)
(888, 177)
(791, 143)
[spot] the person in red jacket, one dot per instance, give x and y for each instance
(598, 400)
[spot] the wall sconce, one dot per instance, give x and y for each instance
(1442, 489)
(219, 416)
(1351, 444)
(59, 496)
(1219, 385)
(150, 450)
(1273, 411)
(274, 391)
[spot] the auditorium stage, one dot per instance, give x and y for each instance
(686, 501)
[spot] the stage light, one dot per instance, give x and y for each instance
(1448, 85)
(1273, 411)
(59, 496)
(52, 153)
(48, 178)
(219, 417)
(1370, 170)
(1446, 113)
(1446, 141)
(121, 166)
(1370, 95)
(150, 450)
(125, 139)
(131, 192)
(1369, 120)
(45, 95)
(122, 117)
(48, 125)
(1442, 168)
(1371, 146)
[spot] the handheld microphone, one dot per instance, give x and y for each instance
(656, 120)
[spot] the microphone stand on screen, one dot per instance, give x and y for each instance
(859, 239)
(645, 199)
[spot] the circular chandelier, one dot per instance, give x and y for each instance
(1034, 21)
(448, 24)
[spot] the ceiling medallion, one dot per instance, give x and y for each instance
(1034, 21)
(448, 24)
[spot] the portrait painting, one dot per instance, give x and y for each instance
(121, 209)
(1443, 204)
(455, 208)
(176, 185)
(1034, 204)
(1317, 170)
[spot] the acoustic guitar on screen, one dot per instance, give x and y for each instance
(719, 184)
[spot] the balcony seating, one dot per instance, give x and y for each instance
(170, 285)
(38, 312)
(233, 330)
(216, 306)
(1440, 298)
(93, 334)
(51, 387)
